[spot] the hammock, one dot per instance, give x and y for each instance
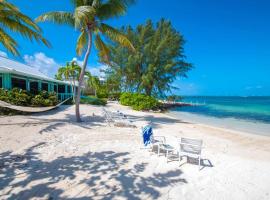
(30, 109)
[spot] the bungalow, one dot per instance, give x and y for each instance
(15, 74)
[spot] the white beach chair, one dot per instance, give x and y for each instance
(190, 148)
(150, 141)
(117, 118)
(108, 118)
(157, 141)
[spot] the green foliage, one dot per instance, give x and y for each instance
(88, 17)
(44, 99)
(159, 59)
(93, 101)
(13, 21)
(17, 97)
(115, 96)
(139, 101)
(23, 98)
(69, 72)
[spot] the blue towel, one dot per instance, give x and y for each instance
(147, 134)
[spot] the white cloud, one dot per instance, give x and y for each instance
(4, 54)
(43, 63)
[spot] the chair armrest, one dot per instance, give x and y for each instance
(192, 145)
(161, 137)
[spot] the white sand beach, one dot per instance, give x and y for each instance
(49, 156)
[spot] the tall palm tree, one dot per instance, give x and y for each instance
(12, 20)
(87, 17)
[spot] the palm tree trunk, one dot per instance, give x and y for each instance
(78, 97)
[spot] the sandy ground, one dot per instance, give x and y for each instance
(49, 156)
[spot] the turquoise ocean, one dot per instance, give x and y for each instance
(249, 114)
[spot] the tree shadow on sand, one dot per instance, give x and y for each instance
(100, 175)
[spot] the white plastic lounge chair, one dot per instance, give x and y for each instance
(167, 148)
(116, 119)
(190, 148)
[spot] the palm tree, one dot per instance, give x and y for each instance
(87, 17)
(71, 73)
(12, 20)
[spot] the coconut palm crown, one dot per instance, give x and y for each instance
(12, 20)
(87, 17)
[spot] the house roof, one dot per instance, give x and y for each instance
(11, 66)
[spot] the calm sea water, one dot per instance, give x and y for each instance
(247, 108)
(241, 113)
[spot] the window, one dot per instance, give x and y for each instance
(34, 87)
(44, 86)
(18, 83)
(1, 82)
(55, 88)
(61, 88)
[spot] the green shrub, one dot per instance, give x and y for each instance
(23, 98)
(37, 100)
(93, 101)
(127, 99)
(4, 95)
(139, 101)
(19, 97)
(102, 94)
(114, 96)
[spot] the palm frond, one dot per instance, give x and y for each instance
(103, 50)
(58, 17)
(15, 21)
(83, 14)
(113, 8)
(17, 26)
(78, 3)
(81, 42)
(8, 42)
(116, 35)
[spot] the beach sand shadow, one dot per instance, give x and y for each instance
(104, 175)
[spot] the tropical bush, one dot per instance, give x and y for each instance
(21, 97)
(139, 101)
(93, 100)
(114, 96)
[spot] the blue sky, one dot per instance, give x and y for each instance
(227, 41)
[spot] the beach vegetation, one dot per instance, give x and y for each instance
(139, 101)
(21, 97)
(158, 60)
(87, 17)
(13, 21)
(71, 73)
(93, 100)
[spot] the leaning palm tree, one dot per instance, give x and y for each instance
(87, 17)
(12, 20)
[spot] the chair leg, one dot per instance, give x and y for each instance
(158, 150)
(167, 155)
(199, 162)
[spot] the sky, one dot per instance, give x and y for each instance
(227, 41)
